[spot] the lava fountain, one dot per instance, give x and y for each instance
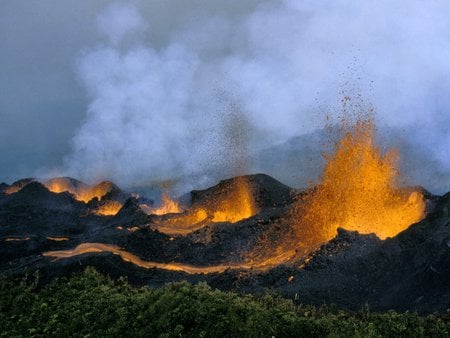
(236, 205)
(168, 206)
(358, 190)
(231, 202)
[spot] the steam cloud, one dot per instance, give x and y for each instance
(247, 93)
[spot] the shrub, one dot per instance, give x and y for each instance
(92, 305)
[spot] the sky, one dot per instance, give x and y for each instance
(42, 102)
(195, 91)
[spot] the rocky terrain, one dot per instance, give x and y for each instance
(410, 271)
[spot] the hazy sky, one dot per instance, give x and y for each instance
(42, 102)
(141, 91)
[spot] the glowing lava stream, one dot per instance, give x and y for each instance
(16, 239)
(57, 239)
(190, 269)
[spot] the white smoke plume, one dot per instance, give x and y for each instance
(230, 90)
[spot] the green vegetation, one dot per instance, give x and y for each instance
(92, 305)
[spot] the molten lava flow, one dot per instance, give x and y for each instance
(236, 205)
(16, 239)
(108, 208)
(81, 192)
(358, 191)
(168, 206)
(58, 239)
(129, 257)
(185, 223)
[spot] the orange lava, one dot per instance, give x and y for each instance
(58, 239)
(12, 190)
(17, 186)
(358, 191)
(232, 204)
(236, 205)
(168, 206)
(108, 208)
(185, 223)
(129, 257)
(82, 192)
(16, 239)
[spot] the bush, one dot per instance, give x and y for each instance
(92, 305)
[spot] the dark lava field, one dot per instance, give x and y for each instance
(54, 234)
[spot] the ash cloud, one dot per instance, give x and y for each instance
(225, 91)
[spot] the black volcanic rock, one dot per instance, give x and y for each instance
(114, 193)
(35, 209)
(36, 194)
(3, 186)
(131, 214)
(70, 182)
(410, 271)
(421, 255)
(18, 185)
(346, 243)
(106, 189)
(267, 191)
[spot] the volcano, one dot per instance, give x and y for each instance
(58, 233)
(356, 237)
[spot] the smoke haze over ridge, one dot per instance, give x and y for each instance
(172, 108)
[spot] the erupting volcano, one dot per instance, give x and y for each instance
(248, 227)
(358, 190)
(255, 148)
